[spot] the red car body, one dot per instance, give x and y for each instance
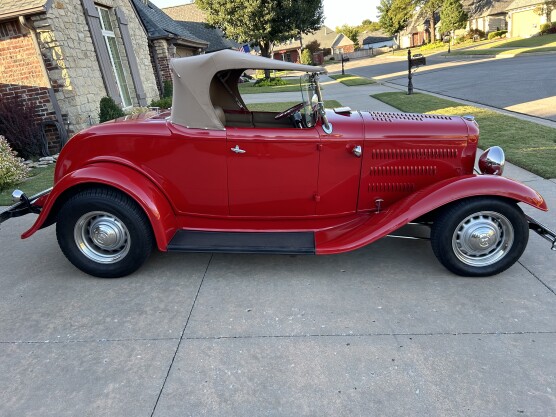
(337, 185)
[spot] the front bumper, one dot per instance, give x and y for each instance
(24, 206)
(543, 231)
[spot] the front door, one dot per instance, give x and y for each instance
(272, 172)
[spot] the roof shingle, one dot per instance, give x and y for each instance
(13, 8)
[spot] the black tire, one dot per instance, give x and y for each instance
(104, 233)
(479, 236)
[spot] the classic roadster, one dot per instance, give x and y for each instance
(213, 176)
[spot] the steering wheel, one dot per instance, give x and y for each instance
(289, 111)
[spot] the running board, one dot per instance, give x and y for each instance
(243, 242)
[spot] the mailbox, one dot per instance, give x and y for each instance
(418, 60)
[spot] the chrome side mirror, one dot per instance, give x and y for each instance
(492, 161)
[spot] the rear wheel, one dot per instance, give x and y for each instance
(480, 236)
(104, 233)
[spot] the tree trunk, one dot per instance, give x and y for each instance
(432, 28)
(265, 51)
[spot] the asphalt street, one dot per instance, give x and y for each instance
(523, 84)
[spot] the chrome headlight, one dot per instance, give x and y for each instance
(492, 161)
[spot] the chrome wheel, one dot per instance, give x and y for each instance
(102, 237)
(483, 238)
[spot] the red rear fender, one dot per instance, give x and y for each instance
(357, 235)
(127, 180)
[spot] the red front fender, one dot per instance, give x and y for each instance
(137, 186)
(356, 235)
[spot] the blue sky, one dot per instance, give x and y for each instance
(337, 12)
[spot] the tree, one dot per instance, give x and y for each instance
(431, 7)
(352, 32)
(394, 15)
(452, 16)
(263, 22)
(313, 46)
(368, 25)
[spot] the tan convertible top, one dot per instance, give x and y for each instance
(204, 81)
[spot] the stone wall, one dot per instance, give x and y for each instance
(72, 63)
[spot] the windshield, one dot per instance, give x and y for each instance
(310, 99)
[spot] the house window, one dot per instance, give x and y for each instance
(9, 29)
(115, 57)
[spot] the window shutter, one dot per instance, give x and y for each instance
(93, 21)
(135, 75)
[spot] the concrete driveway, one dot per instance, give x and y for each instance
(383, 331)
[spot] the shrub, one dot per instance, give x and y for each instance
(306, 57)
(109, 110)
(18, 122)
(475, 32)
(548, 28)
(432, 45)
(168, 89)
(269, 82)
(497, 34)
(163, 103)
(12, 170)
(331, 58)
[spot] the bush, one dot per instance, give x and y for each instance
(497, 34)
(432, 45)
(548, 28)
(331, 58)
(269, 82)
(306, 57)
(168, 89)
(12, 170)
(475, 32)
(163, 103)
(18, 122)
(109, 110)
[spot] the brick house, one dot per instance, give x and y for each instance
(167, 39)
(65, 55)
(337, 43)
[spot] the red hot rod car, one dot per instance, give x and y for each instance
(213, 176)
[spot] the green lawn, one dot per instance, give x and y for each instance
(351, 80)
(292, 84)
(545, 43)
(526, 144)
(40, 179)
(287, 104)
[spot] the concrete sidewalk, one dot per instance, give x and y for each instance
(382, 331)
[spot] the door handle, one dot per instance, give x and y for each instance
(237, 149)
(357, 151)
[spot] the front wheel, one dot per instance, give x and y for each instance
(480, 236)
(104, 233)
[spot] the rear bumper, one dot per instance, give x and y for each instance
(543, 231)
(23, 207)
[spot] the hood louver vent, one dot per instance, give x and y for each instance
(391, 116)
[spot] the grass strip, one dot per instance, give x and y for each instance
(292, 84)
(526, 144)
(352, 80)
(40, 179)
(285, 105)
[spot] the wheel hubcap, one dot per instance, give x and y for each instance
(483, 238)
(102, 237)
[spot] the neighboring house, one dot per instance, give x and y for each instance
(526, 16)
(376, 39)
(487, 15)
(417, 31)
(194, 21)
(338, 43)
(167, 39)
(66, 55)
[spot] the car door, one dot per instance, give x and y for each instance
(340, 164)
(272, 172)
